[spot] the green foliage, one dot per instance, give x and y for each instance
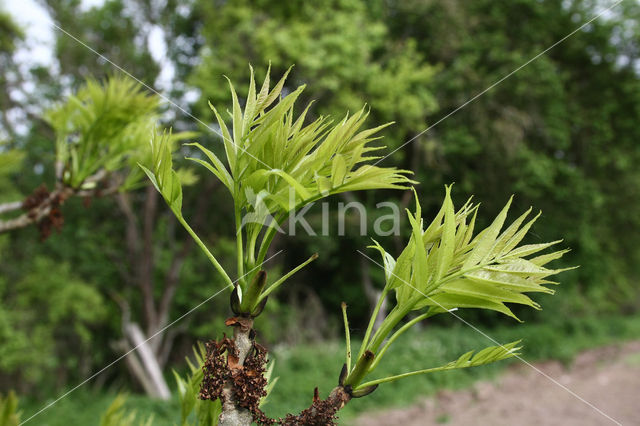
(9, 414)
(10, 32)
(316, 363)
(443, 268)
(104, 126)
(46, 321)
(435, 344)
(205, 412)
(340, 48)
(469, 359)
(559, 132)
(272, 152)
(114, 28)
(276, 164)
(11, 161)
(116, 415)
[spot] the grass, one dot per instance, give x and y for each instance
(302, 368)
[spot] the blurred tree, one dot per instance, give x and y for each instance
(116, 29)
(558, 133)
(10, 36)
(93, 133)
(46, 329)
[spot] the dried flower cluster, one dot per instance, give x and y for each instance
(247, 381)
(41, 198)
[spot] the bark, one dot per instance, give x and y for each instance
(9, 207)
(38, 212)
(17, 223)
(230, 372)
(54, 199)
(321, 412)
(232, 414)
(135, 367)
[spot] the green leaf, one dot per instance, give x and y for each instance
(238, 128)
(402, 271)
(504, 238)
(521, 267)
(338, 170)
(229, 146)
(546, 258)
(515, 240)
(250, 106)
(388, 261)
(485, 356)
(486, 239)
(299, 188)
(486, 291)
(529, 249)
(443, 302)
(447, 242)
(216, 167)
(509, 281)
(420, 276)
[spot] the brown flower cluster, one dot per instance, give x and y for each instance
(53, 219)
(321, 412)
(248, 386)
(247, 381)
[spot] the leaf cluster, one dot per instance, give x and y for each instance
(444, 267)
(274, 164)
(9, 414)
(116, 415)
(103, 126)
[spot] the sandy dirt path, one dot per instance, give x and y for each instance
(608, 378)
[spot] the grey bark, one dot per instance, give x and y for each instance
(9, 207)
(232, 414)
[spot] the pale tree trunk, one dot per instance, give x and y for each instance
(151, 375)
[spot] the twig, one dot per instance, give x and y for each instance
(11, 206)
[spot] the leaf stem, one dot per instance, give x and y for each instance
(347, 335)
(372, 321)
(239, 242)
(402, 376)
(394, 317)
(285, 277)
(397, 334)
(204, 248)
(267, 238)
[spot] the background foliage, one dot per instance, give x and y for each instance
(561, 134)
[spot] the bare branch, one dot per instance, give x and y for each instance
(11, 206)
